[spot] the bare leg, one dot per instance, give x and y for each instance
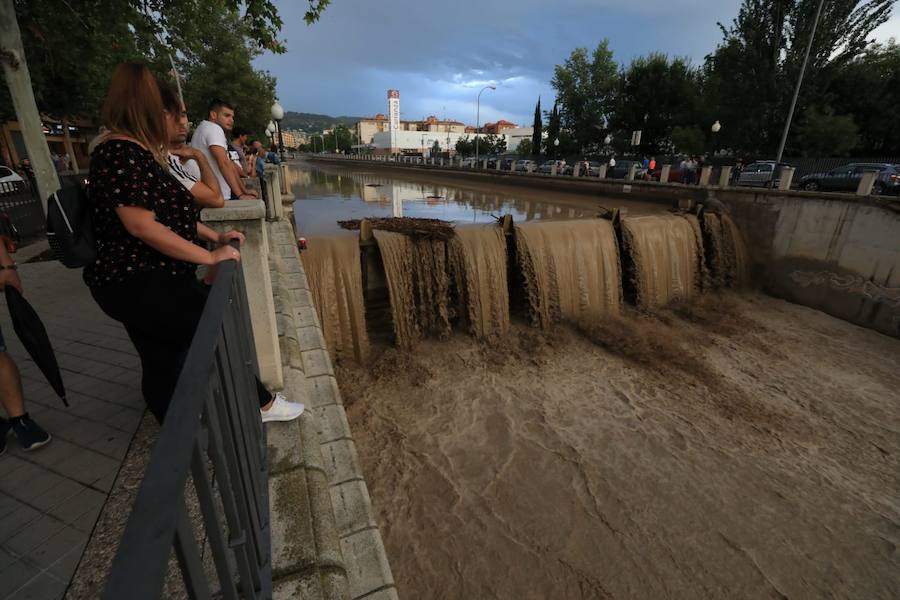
(11, 396)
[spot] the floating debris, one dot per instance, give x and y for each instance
(431, 229)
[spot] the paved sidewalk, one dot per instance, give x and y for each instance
(50, 498)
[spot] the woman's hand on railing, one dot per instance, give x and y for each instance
(226, 237)
(224, 253)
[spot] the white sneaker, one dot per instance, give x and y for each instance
(281, 410)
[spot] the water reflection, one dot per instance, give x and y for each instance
(327, 194)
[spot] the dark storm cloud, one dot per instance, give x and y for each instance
(439, 54)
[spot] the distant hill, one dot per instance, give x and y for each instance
(313, 123)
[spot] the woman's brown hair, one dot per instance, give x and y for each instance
(134, 108)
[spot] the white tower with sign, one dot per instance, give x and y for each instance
(394, 115)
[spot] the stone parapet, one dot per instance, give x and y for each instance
(316, 485)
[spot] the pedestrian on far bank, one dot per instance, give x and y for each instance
(30, 435)
(209, 138)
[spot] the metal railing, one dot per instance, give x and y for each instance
(212, 432)
(23, 207)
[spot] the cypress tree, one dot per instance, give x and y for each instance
(536, 135)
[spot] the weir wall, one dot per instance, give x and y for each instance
(839, 253)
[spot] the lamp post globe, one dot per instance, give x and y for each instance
(716, 127)
(277, 111)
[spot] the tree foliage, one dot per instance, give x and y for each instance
(536, 135)
(586, 87)
(751, 75)
(343, 137)
(525, 148)
(223, 70)
(655, 95)
(73, 46)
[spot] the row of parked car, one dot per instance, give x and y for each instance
(763, 173)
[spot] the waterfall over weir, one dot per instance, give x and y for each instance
(418, 283)
(570, 268)
(332, 266)
(666, 253)
(479, 269)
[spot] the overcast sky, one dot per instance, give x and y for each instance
(440, 53)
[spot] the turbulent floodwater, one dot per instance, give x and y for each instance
(631, 430)
(742, 448)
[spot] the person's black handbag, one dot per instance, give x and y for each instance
(69, 229)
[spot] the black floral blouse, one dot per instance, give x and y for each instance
(124, 174)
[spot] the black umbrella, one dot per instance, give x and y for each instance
(33, 336)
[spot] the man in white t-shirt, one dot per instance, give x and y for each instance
(209, 138)
(188, 165)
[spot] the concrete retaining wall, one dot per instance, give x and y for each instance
(838, 254)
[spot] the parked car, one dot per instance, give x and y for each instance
(525, 164)
(846, 178)
(548, 165)
(760, 174)
(620, 171)
(7, 175)
(469, 163)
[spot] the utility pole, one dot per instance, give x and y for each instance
(790, 117)
(18, 79)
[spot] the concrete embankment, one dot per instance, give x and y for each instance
(838, 253)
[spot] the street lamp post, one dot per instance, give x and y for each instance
(278, 115)
(555, 147)
(270, 129)
(478, 117)
(716, 128)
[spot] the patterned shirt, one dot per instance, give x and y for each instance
(124, 174)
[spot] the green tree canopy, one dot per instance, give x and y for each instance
(536, 135)
(586, 87)
(654, 96)
(751, 75)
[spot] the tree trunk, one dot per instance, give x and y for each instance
(12, 56)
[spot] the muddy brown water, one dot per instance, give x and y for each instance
(710, 444)
(328, 193)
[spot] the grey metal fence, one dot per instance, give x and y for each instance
(212, 426)
(23, 207)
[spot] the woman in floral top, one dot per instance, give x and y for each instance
(148, 235)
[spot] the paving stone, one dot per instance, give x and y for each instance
(16, 520)
(58, 495)
(293, 540)
(305, 317)
(310, 338)
(42, 587)
(15, 576)
(367, 566)
(341, 461)
(34, 533)
(56, 546)
(323, 390)
(285, 450)
(88, 467)
(298, 587)
(389, 593)
(83, 500)
(316, 362)
(352, 507)
(65, 566)
(6, 559)
(332, 422)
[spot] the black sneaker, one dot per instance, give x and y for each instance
(29, 433)
(4, 429)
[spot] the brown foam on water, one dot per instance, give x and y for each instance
(479, 267)
(332, 265)
(727, 252)
(571, 269)
(668, 259)
(418, 284)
